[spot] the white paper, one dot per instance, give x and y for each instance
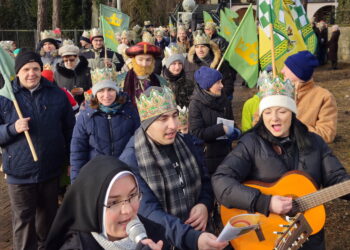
(231, 231)
(226, 122)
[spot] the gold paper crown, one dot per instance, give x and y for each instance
(137, 28)
(200, 38)
(47, 34)
(86, 34)
(126, 34)
(274, 86)
(156, 103)
(95, 32)
(181, 27)
(6, 45)
(146, 23)
(159, 31)
(210, 25)
(173, 49)
(147, 37)
(183, 115)
(100, 74)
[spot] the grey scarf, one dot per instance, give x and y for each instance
(176, 187)
(123, 244)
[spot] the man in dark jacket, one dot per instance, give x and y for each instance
(33, 186)
(96, 55)
(176, 188)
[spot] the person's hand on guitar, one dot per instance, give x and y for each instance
(208, 241)
(280, 204)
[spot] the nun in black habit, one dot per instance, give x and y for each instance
(94, 214)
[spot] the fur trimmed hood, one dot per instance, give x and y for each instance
(213, 47)
(68, 73)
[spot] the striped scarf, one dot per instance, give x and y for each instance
(163, 177)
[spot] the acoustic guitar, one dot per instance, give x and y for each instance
(307, 200)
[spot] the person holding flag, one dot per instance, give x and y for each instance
(48, 116)
(97, 57)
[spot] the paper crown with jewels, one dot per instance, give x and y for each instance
(159, 31)
(100, 74)
(273, 91)
(147, 23)
(200, 38)
(183, 115)
(181, 27)
(137, 28)
(147, 37)
(95, 32)
(158, 101)
(86, 33)
(47, 34)
(210, 25)
(173, 49)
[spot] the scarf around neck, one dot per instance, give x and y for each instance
(171, 77)
(111, 109)
(163, 176)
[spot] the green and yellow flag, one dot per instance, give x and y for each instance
(242, 51)
(227, 26)
(207, 17)
(109, 36)
(231, 14)
(7, 70)
(115, 18)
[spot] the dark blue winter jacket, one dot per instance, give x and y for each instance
(181, 235)
(97, 133)
(50, 128)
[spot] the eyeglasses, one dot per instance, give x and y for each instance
(116, 205)
(69, 60)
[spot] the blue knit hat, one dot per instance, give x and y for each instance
(206, 77)
(302, 64)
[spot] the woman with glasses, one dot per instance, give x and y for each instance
(104, 127)
(73, 73)
(97, 209)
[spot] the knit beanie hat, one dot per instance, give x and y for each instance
(302, 64)
(27, 57)
(68, 49)
(104, 84)
(173, 58)
(206, 77)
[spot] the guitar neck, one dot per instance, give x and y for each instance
(324, 195)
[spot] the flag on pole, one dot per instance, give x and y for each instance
(231, 14)
(242, 51)
(7, 70)
(287, 37)
(171, 25)
(115, 18)
(207, 17)
(110, 40)
(227, 26)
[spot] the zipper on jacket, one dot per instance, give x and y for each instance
(182, 181)
(109, 118)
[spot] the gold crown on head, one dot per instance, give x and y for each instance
(126, 34)
(86, 34)
(173, 49)
(146, 23)
(210, 25)
(147, 37)
(183, 115)
(181, 27)
(100, 74)
(156, 103)
(47, 34)
(200, 38)
(268, 85)
(137, 28)
(159, 31)
(95, 32)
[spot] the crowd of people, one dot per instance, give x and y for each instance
(137, 133)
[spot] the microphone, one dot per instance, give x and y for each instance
(136, 230)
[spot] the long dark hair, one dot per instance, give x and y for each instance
(298, 133)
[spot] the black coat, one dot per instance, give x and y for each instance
(220, 41)
(203, 113)
(333, 46)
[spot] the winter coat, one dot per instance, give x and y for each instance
(96, 59)
(50, 127)
(79, 240)
(182, 88)
(333, 46)
(203, 113)
(185, 237)
(220, 41)
(255, 159)
(50, 60)
(318, 114)
(193, 63)
(97, 133)
(162, 44)
(78, 78)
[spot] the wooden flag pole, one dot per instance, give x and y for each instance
(272, 51)
(26, 133)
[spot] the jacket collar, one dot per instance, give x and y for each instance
(43, 84)
(303, 88)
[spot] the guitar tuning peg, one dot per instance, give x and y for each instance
(301, 237)
(295, 226)
(282, 225)
(275, 232)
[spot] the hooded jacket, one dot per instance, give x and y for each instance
(82, 209)
(203, 113)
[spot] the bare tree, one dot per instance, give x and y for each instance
(56, 14)
(40, 23)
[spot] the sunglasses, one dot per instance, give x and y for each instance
(69, 60)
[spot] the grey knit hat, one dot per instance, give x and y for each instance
(104, 84)
(174, 58)
(68, 49)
